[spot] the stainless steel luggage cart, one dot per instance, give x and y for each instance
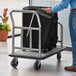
(33, 53)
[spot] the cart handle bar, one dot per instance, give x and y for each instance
(28, 11)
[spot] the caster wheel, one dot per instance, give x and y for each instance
(14, 62)
(59, 56)
(37, 65)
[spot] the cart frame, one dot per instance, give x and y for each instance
(40, 56)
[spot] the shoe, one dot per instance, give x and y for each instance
(70, 68)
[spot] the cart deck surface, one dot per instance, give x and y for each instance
(35, 54)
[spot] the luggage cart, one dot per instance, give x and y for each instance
(33, 53)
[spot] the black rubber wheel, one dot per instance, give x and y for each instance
(37, 65)
(58, 56)
(14, 62)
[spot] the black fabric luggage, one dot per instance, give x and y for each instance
(48, 28)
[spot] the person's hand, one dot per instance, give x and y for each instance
(48, 10)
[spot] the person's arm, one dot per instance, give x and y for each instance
(63, 4)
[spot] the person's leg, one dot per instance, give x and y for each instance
(72, 28)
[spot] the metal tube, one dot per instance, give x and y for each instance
(39, 34)
(24, 48)
(30, 39)
(24, 11)
(30, 2)
(27, 28)
(21, 37)
(38, 18)
(61, 34)
(40, 42)
(12, 32)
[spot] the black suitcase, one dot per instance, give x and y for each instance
(48, 29)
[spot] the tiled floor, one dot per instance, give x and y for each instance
(49, 67)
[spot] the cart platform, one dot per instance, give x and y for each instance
(35, 55)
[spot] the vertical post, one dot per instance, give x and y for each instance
(13, 32)
(30, 39)
(61, 36)
(39, 34)
(30, 2)
(30, 31)
(22, 37)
